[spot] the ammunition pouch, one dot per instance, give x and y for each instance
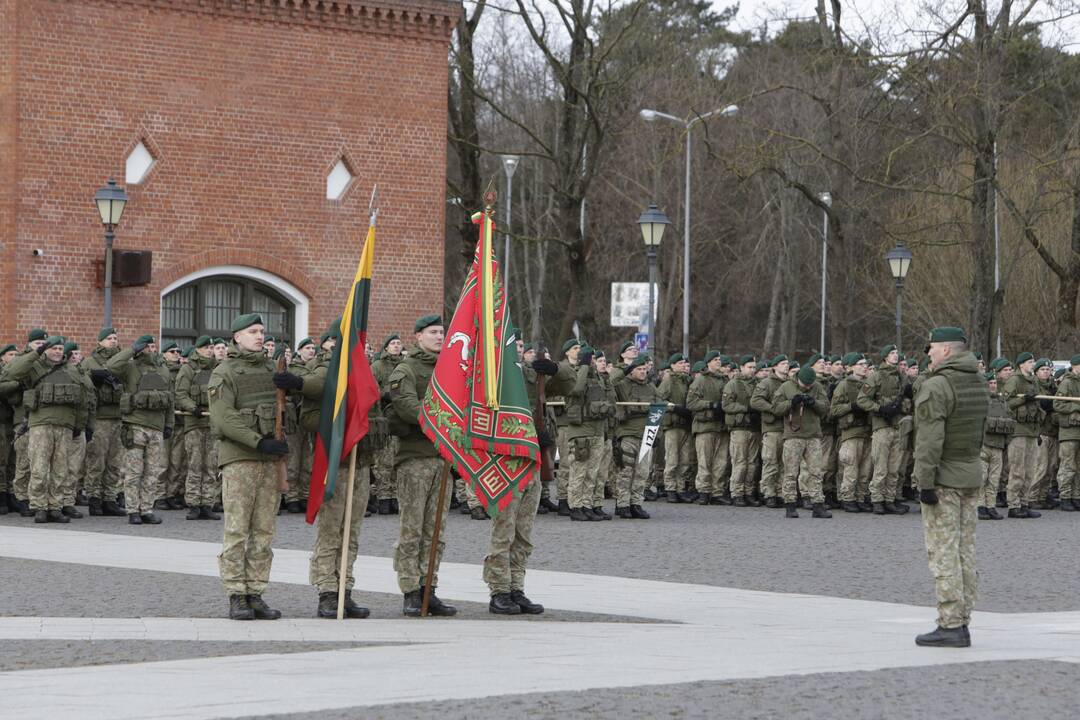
(997, 425)
(596, 409)
(30, 400)
(127, 436)
(108, 395)
(377, 437)
(261, 418)
(616, 453)
(152, 400)
(64, 394)
(580, 449)
(1070, 420)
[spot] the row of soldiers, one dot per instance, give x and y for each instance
(835, 432)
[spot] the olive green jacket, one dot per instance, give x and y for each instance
(130, 369)
(85, 412)
(1068, 411)
(850, 419)
(108, 397)
(878, 390)
(239, 432)
(950, 419)
(408, 387)
(383, 367)
(736, 403)
(999, 424)
(42, 378)
(632, 418)
(192, 382)
(802, 422)
(588, 405)
(762, 402)
(1049, 426)
(674, 389)
(1027, 413)
(704, 391)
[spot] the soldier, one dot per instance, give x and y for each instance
(384, 459)
(628, 352)
(83, 432)
(881, 396)
(1047, 457)
(104, 453)
(772, 428)
(1068, 411)
(201, 488)
(950, 412)
(854, 425)
(633, 475)
(146, 409)
(7, 500)
(704, 400)
(570, 349)
(586, 417)
(1019, 393)
(605, 483)
(743, 440)
(170, 495)
(301, 441)
(418, 469)
(269, 346)
(823, 369)
(802, 403)
(243, 404)
(999, 426)
(15, 390)
(677, 425)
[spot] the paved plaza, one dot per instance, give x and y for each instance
(700, 612)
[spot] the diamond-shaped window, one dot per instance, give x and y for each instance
(139, 162)
(337, 182)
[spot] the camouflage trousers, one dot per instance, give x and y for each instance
(144, 454)
(511, 542)
(76, 468)
(586, 454)
(418, 498)
(830, 445)
(712, 462)
(657, 462)
(1046, 466)
(606, 481)
(465, 493)
(562, 474)
(5, 455)
(744, 447)
(991, 458)
(250, 496)
(49, 447)
(1068, 463)
(949, 528)
(202, 486)
(678, 443)
(325, 569)
(20, 482)
(1023, 453)
(802, 469)
(633, 475)
(854, 458)
(301, 450)
(104, 454)
(383, 467)
(173, 472)
(885, 456)
(772, 450)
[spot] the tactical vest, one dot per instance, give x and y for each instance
(198, 392)
(421, 372)
(256, 396)
(56, 388)
(152, 392)
(1029, 413)
(593, 405)
(849, 388)
(964, 425)
(742, 392)
(643, 393)
(998, 421)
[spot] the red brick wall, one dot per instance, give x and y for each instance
(246, 107)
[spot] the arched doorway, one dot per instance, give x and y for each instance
(205, 303)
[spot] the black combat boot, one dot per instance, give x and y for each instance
(71, 511)
(94, 506)
(674, 497)
(1029, 513)
(579, 514)
(1067, 505)
(394, 509)
(993, 514)
(5, 499)
(550, 506)
(773, 503)
(866, 506)
(901, 508)
(540, 509)
(752, 501)
(503, 604)
(564, 508)
(161, 504)
(704, 498)
(528, 607)
(193, 513)
(689, 496)
(352, 610)
(831, 502)
(109, 508)
(150, 519)
(218, 507)
(984, 514)
(820, 511)
(410, 606)
(384, 506)
(175, 502)
(24, 509)
(41, 516)
(328, 605)
(58, 516)
(134, 519)
(293, 506)
(463, 508)
(477, 513)
(598, 511)
(590, 514)
(805, 503)
(637, 512)
(261, 609)
(1002, 500)
(650, 495)
(790, 510)
(945, 637)
(624, 513)
(239, 609)
(437, 607)
(1017, 512)
(851, 507)
(880, 509)
(740, 501)
(207, 513)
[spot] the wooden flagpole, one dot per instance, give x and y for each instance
(343, 569)
(435, 539)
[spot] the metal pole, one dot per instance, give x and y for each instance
(506, 232)
(686, 255)
(109, 237)
(652, 285)
(899, 294)
(824, 275)
(997, 258)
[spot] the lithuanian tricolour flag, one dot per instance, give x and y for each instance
(350, 388)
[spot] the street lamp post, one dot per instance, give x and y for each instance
(899, 259)
(510, 163)
(825, 198)
(652, 223)
(652, 116)
(110, 201)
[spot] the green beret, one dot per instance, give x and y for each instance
(998, 363)
(777, 360)
(70, 346)
(815, 357)
(835, 358)
(625, 345)
(698, 366)
(793, 366)
(105, 332)
(761, 365)
(851, 358)
(724, 359)
(279, 350)
(637, 362)
(269, 338)
(1023, 358)
(144, 339)
(528, 347)
(305, 341)
(53, 340)
(243, 322)
(978, 355)
(203, 341)
(747, 358)
(710, 356)
(569, 344)
(426, 321)
(1042, 362)
(989, 376)
(36, 334)
(888, 349)
(170, 346)
(1059, 372)
(807, 376)
(219, 341)
(8, 348)
(190, 352)
(392, 337)
(664, 366)
(729, 364)
(598, 353)
(1074, 360)
(947, 334)
(675, 358)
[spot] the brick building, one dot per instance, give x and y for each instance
(248, 135)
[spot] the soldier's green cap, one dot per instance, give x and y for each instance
(1043, 362)
(1059, 372)
(729, 363)
(977, 354)
(331, 332)
(305, 341)
(569, 344)
(598, 353)
(835, 358)
(747, 358)
(623, 348)
(426, 321)
(219, 341)
(998, 363)
(144, 339)
(777, 360)
(947, 334)
(36, 334)
(664, 366)
(724, 358)
(527, 347)
(389, 339)
(1074, 360)
(203, 341)
(170, 346)
(815, 357)
(851, 358)
(53, 340)
(761, 364)
(698, 366)
(1023, 358)
(710, 356)
(269, 338)
(988, 376)
(8, 348)
(675, 358)
(105, 332)
(242, 322)
(793, 366)
(190, 352)
(807, 376)
(637, 362)
(279, 350)
(886, 350)
(70, 346)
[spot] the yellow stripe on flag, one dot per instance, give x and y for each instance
(487, 317)
(363, 272)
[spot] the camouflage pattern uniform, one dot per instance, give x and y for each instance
(1046, 463)
(586, 417)
(633, 475)
(85, 419)
(677, 437)
(881, 391)
(384, 457)
(1023, 447)
(104, 452)
(20, 469)
(174, 473)
(950, 412)
(999, 426)
(802, 439)
(201, 488)
(854, 426)
(1068, 412)
(772, 434)
(744, 443)
(704, 398)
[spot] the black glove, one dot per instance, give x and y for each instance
(101, 375)
(41, 348)
(270, 446)
(543, 438)
(928, 497)
(888, 410)
(288, 381)
(89, 435)
(809, 401)
(167, 433)
(797, 400)
(385, 398)
(75, 434)
(1029, 396)
(909, 391)
(545, 366)
(197, 412)
(1047, 405)
(138, 347)
(584, 358)
(684, 412)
